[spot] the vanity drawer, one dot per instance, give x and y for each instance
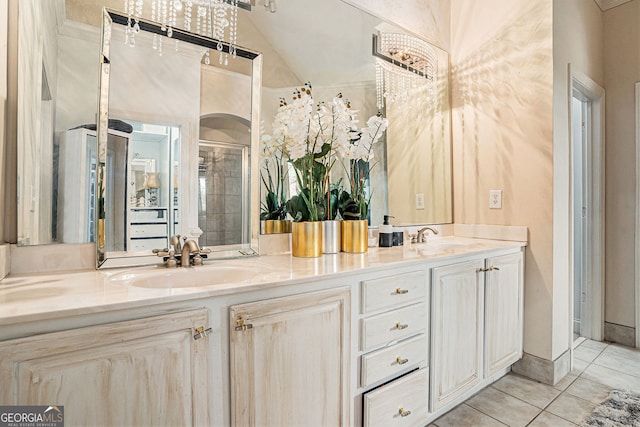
(393, 325)
(401, 403)
(148, 230)
(389, 361)
(387, 292)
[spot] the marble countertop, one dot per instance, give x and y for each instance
(36, 297)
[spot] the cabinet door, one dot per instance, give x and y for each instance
(457, 333)
(143, 372)
(504, 311)
(290, 360)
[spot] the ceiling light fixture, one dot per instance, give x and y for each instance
(217, 19)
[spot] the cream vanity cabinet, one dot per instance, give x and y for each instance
(504, 311)
(289, 360)
(148, 371)
(393, 340)
(458, 330)
(476, 324)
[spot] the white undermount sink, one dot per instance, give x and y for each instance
(442, 246)
(183, 277)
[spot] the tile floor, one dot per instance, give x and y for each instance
(517, 401)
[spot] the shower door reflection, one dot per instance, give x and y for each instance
(222, 193)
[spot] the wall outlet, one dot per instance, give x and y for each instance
(419, 200)
(495, 199)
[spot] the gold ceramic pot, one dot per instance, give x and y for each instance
(355, 236)
(306, 239)
(276, 226)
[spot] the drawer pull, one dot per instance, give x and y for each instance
(484, 270)
(401, 291)
(401, 325)
(403, 412)
(401, 361)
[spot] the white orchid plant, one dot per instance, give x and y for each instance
(312, 136)
(274, 175)
(355, 205)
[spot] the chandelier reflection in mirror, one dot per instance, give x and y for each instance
(404, 64)
(217, 19)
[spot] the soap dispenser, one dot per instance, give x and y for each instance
(386, 233)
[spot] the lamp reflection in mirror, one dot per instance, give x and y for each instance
(404, 64)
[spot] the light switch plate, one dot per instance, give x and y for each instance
(419, 200)
(495, 199)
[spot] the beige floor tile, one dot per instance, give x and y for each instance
(503, 407)
(585, 353)
(532, 392)
(571, 408)
(579, 365)
(611, 378)
(589, 390)
(547, 419)
(596, 345)
(565, 381)
(464, 415)
(619, 358)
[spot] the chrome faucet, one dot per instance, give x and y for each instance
(422, 234)
(190, 247)
(182, 252)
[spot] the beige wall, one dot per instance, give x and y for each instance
(502, 92)
(621, 71)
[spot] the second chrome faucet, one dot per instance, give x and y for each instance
(422, 234)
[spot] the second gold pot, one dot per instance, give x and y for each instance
(355, 236)
(306, 239)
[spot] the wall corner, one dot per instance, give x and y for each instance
(5, 263)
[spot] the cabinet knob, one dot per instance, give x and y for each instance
(404, 412)
(401, 325)
(241, 326)
(401, 361)
(400, 291)
(201, 332)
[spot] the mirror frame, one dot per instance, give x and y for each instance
(109, 260)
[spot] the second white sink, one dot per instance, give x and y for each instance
(192, 277)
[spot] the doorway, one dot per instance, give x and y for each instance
(581, 140)
(587, 208)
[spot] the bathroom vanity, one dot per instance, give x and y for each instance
(393, 337)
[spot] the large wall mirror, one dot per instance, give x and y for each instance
(187, 164)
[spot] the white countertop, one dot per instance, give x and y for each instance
(36, 297)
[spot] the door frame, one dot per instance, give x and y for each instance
(594, 273)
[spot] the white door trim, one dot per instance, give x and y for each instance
(596, 209)
(637, 272)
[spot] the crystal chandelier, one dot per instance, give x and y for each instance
(404, 64)
(217, 19)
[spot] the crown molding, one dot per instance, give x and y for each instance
(608, 4)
